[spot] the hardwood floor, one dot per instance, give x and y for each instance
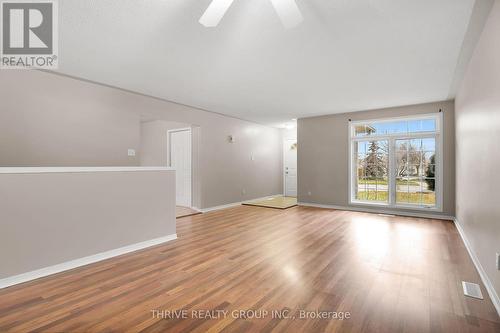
(392, 274)
(181, 211)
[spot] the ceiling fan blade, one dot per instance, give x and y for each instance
(288, 12)
(215, 12)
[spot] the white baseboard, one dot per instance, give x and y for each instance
(211, 209)
(379, 211)
(234, 204)
(10, 281)
(484, 277)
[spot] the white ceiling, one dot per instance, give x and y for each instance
(347, 55)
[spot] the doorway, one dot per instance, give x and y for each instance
(290, 167)
(179, 158)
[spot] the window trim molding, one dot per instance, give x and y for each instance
(391, 204)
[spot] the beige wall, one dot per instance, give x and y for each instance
(229, 172)
(47, 119)
(154, 150)
(51, 218)
(478, 152)
(154, 141)
(323, 154)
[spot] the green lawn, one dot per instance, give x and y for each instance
(411, 198)
(385, 182)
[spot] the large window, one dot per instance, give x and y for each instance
(396, 162)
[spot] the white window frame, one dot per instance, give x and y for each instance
(391, 138)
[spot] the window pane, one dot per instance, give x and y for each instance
(402, 158)
(414, 191)
(361, 169)
(402, 145)
(414, 162)
(429, 191)
(415, 144)
(414, 125)
(381, 128)
(361, 130)
(429, 158)
(429, 144)
(362, 195)
(362, 147)
(383, 188)
(409, 191)
(429, 125)
(430, 171)
(401, 190)
(422, 125)
(372, 171)
(390, 127)
(372, 193)
(413, 170)
(395, 127)
(361, 188)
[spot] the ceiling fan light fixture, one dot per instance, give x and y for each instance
(287, 10)
(215, 12)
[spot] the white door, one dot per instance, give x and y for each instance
(290, 165)
(180, 160)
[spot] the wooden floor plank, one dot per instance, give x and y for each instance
(390, 273)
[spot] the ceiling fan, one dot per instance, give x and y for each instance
(287, 11)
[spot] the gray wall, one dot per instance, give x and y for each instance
(154, 150)
(154, 141)
(478, 151)
(323, 154)
(51, 218)
(52, 120)
(47, 120)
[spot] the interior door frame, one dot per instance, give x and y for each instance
(169, 157)
(284, 170)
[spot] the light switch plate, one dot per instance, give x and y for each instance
(131, 152)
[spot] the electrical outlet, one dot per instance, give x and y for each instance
(131, 152)
(309, 193)
(243, 191)
(498, 261)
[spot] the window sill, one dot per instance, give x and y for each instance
(396, 207)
